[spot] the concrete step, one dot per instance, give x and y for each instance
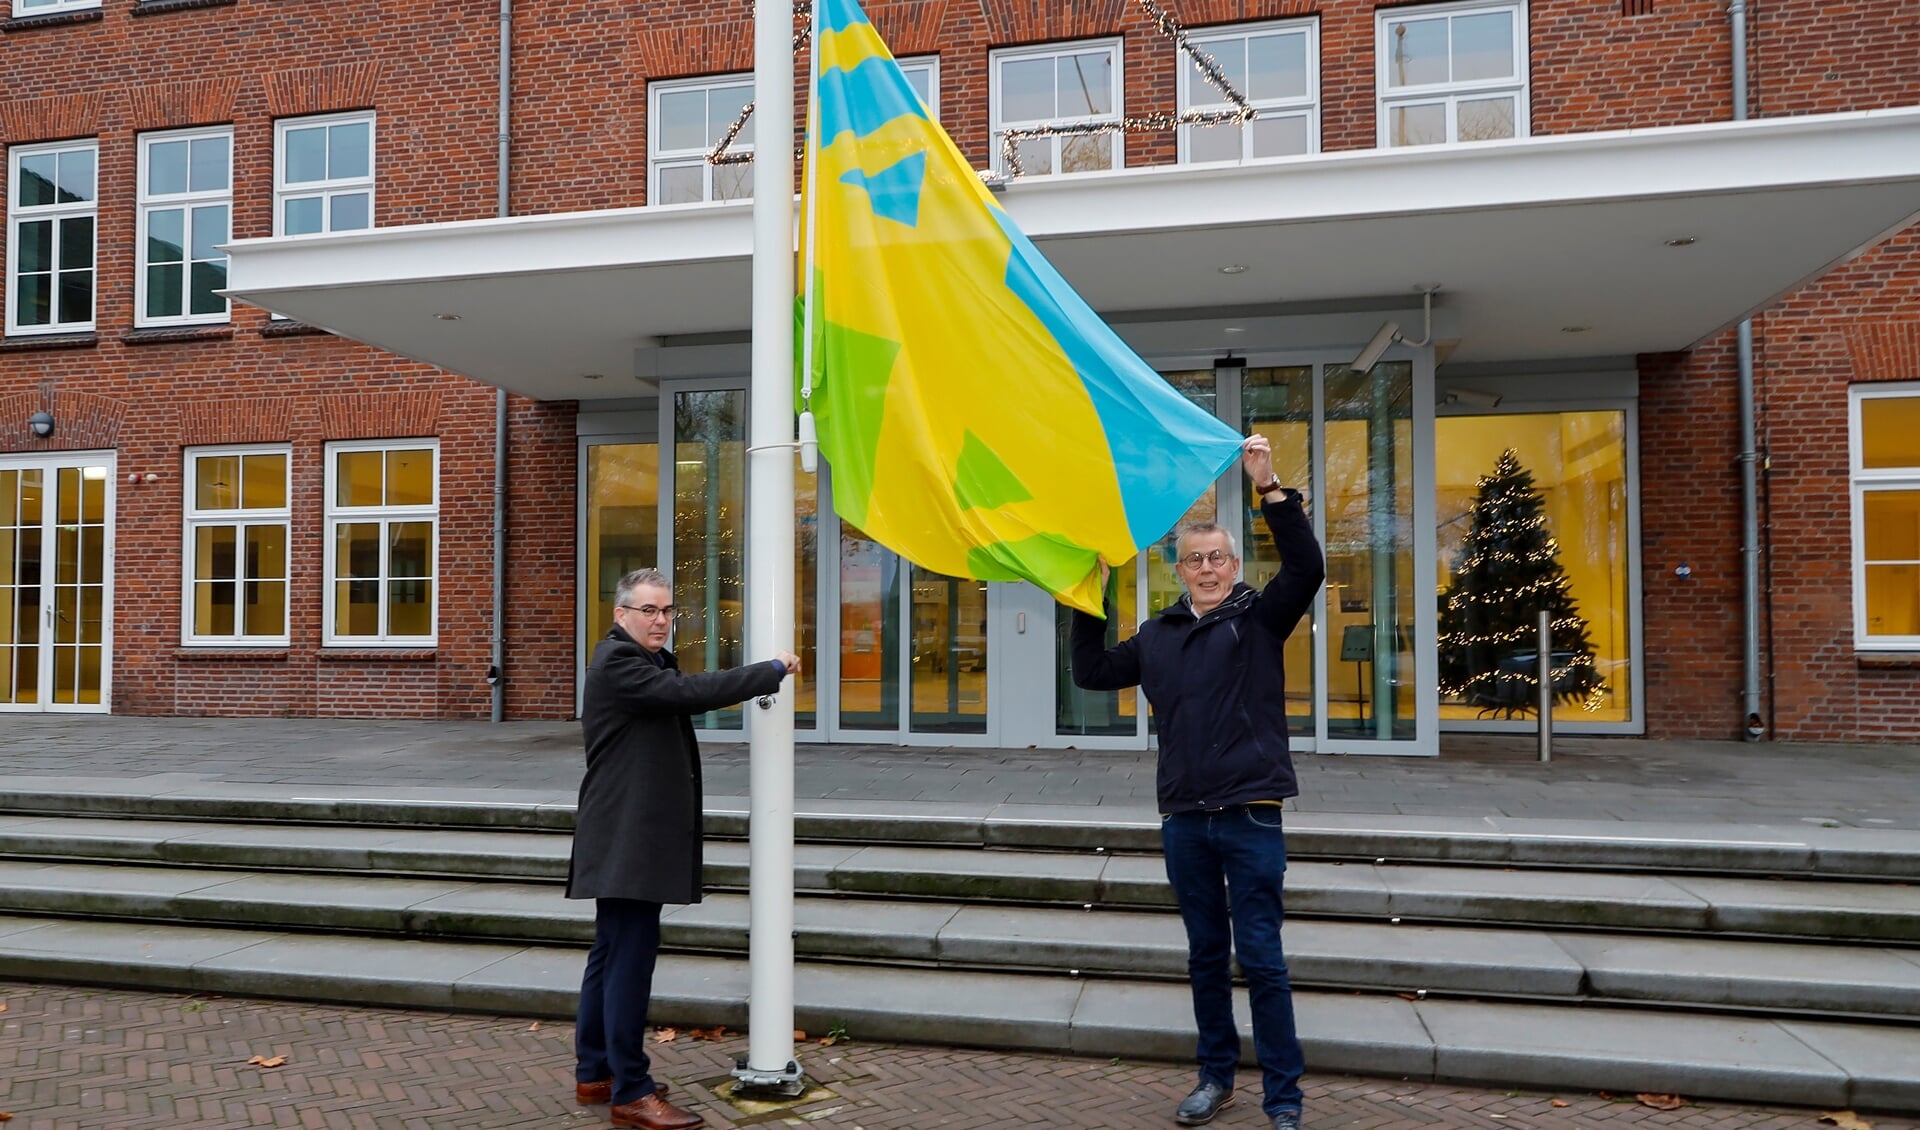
(1800, 908)
(1515, 842)
(1812, 1063)
(1523, 963)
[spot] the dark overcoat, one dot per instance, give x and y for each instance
(638, 834)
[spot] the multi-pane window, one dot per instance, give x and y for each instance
(686, 120)
(1062, 85)
(1886, 516)
(924, 76)
(44, 7)
(186, 208)
(51, 213)
(236, 551)
(323, 174)
(382, 518)
(1452, 73)
(1275, 67)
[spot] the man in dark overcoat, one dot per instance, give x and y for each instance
(637, 838)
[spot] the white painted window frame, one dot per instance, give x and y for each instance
(186, 202)
(1196, 94)
(18, 214)
(195, 518)
(998, 124)
(327, 189)
(659, 160)
(1864, 480)
(1450, 94)
(931, 65)
(24, 8)
(337, 515)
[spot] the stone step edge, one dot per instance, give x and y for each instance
(1505, 841)
(1865, 1066)
(1562, 976)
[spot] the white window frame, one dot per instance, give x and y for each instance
(188, 203)
(18, 214)
(1866, 479)
(1197, 94)
(327, 189)
(657, 160)
(998, 124)
(1451, 94)
(195, 518)
(337, 515)
(931, 65)
(25, 8)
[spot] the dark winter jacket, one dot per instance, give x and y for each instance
(637, 834)
(1216, 683)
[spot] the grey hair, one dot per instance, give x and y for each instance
(1204, 527)
(623, 592)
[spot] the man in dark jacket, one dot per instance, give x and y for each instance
(1211, 668)
(636, 839)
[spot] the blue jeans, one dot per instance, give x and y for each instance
(610, 1040)
(1226, 867)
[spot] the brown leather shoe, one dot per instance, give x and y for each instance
(593, 1094)
(655, 1113)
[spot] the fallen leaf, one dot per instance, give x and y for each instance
(263, 1061)
(1409, 996)
(6, 1116)
(534, 1027)
(798, 1034)
(1606, 1096)
(665, 1035)
(1661, 1102)
(3, 1008)
(827, 1041)
(1559, 1103)
(1846, 1120)
(715, 1033)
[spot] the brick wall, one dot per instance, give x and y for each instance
(581, 71)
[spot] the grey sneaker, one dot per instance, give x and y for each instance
(1287, 1120)
(1199, 1108)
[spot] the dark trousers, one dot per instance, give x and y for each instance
(610, 1040)
(1226, 867)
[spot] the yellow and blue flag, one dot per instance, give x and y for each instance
(980, 419)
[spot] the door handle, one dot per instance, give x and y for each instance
(1020, 623)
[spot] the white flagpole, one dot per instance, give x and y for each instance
(770, 1065)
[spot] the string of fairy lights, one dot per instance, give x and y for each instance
(1163, 22)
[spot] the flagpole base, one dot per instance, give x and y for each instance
(751, 1083)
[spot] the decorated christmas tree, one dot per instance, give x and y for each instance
(1507, 572)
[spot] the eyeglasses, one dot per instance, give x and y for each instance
(648, 611)
(1215, 558)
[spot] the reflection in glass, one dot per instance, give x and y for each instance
(1080, 712)
(1417, 52)
(806, 596)
(1889, 432)
(869, 633)
(1368, 506)
(1278, 403)
(623, 526)
(709, 536)
(1578, 461)
(949, 654)
(1891, 522)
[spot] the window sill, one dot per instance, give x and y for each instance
(28, 343)
(202, 652)
(52, 19)
(284, 328)
(155, 7)
(376, 654)
(1888, 660)
(160, 335)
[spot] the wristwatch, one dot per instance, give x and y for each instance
(1267, 487)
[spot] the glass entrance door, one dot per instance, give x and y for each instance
(55, 559)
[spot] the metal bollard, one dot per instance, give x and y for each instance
(1543, 671)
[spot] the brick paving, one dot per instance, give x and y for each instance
(75, 1059)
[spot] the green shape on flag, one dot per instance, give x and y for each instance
(1048, 561)
(852, 403)
(981, 481)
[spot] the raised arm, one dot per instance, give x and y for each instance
(644, 687)
(1302, 565)
(1097, 667)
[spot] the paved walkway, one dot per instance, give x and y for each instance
(77, 1059)
(1590, 778)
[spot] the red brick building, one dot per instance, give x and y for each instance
(234, 512)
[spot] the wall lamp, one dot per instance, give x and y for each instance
(41, 423)
(1389, 332)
